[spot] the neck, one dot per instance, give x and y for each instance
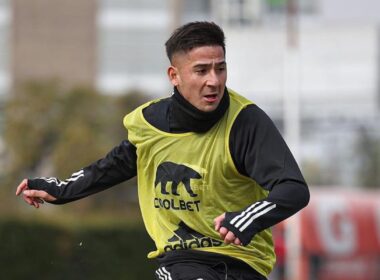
(184, 117)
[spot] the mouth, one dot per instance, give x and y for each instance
(211, 98)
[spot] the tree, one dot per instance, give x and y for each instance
(51, 131)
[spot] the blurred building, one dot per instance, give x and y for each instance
(54, 39)
(131, 35)
(4, 47)
(131, 41)
(4, 67)
(312, 65)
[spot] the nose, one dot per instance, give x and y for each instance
(213, 79)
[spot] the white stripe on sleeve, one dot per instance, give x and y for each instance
(243, 220)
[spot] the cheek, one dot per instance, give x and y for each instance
(194, 82)
(186, 80)
(224, 77)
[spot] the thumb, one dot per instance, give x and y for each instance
(218, 221)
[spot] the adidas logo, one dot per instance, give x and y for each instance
(187, 238)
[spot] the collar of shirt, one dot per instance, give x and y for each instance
(184, 117)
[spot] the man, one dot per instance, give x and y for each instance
(214, 174)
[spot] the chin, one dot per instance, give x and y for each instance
(209, 108)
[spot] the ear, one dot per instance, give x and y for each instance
(173, 75)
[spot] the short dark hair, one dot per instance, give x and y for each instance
(194, 34)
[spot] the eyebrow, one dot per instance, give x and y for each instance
(199, 65)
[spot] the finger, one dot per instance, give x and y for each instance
(39, 200)
(36, 204)
(42, 195)
(218, 221)
(222, 232)
(32, 201)
(31, 193)
(23, 186)
(230, 237)
(28, 199)
(35, 193)
(237, 241)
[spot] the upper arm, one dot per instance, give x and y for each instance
(259, 151)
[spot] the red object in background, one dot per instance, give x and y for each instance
(340, 236)
(280, 250)
(342, 224)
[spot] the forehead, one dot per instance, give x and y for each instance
(202, 55)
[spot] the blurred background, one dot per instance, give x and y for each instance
(70, 70)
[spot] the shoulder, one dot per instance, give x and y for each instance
(156, 106)
(150, 111)
(157, 113)
(252, 115)
(253, 123)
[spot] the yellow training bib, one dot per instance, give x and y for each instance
(186, 180)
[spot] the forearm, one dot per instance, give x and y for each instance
(259, 152)
(119, 165)
(282, 202)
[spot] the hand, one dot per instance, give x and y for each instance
(225, 234)
(33, 197)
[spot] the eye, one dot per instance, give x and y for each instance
(200, 71)
(221, 68)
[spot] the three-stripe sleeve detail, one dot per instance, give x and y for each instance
(74, 177)
(256, 210)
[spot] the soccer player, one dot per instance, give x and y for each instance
(214, 173)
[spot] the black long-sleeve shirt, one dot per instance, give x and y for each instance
(257, 148)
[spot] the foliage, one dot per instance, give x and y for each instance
(45, 251)
(53, 131)
(29, 125)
